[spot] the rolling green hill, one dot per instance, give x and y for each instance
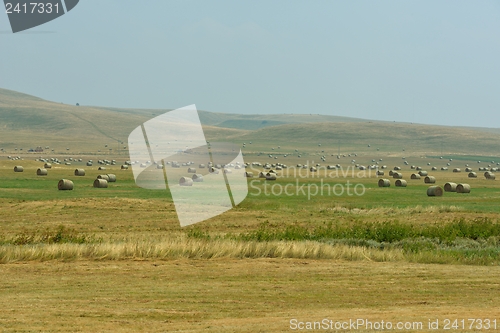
(27, 121)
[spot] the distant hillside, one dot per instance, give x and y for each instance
(27, 121)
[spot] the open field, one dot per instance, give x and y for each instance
(309, 245)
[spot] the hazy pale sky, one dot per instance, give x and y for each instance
(416, 61)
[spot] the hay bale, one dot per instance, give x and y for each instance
(312, 169)
(396, 168)
(401, 183)
(415, 176)
(202, 166)
(468, 169)
(101, 168)
(472, 175)
(430, 180)
(228, 171)
(249, 174)
(191, 170)
(185, 181)
(444, 168)
(105, 177)
(89, 163)
(213, 170)
(384, 182)
(434, 191)
(100, 183)
(124, 167)
(380, 173)
(79, 172)
(270, 176)
(391, 173)
(450, 187)
(41, 172)
(160, 166)
(65, 184)
(47, 166)
(111, 177)
(463, 188)
(197, 177)
(423, 173)
(397, 175)
(434, 168)
(489, 175)
(457, 170)
(18, 168)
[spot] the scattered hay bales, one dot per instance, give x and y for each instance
(100, 183)
(65, 185)
(415, 176)
(191, 170)
(434, 191)
(423, 173)
(47, 166)
(18, 168)
(124, 167)
(463, 188)
(472, 175)
(185, 181)
(79, 172)
(197, 178)
(41, 172)
(401, 183)
(111, 177)
(397, 175)
(249, 174)
(457, 170)
(105, 177)
(384, 182)
(430, 180)
(450, 187)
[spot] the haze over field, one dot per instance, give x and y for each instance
(423, 62)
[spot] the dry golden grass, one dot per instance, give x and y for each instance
(236, 295)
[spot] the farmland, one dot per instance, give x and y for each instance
(116, 259)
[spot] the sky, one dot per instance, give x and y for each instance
(432, 62)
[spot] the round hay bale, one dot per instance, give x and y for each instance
(423, 173)
(18, 168)
(160, 166)
(213, 170)
(191, 170)
(397, 168)
(89, 163)
(430, 180)
(105, 177)
(124, 167)
(228, 171)
(444, 168)
(415, 176)
(435, 191)
(384, 182)
(468, 169)
(101, 168)
(397, 175)
(434, 168)
(270, 176)
(65, 184)
(185, 181)
(380, 173)
(100, 183)
(472, 175)
(418, 168)
(41, 172)
(463, 188)
(112, 177)
(489, 175)
(401, 183)
(391, 173)
(197, 177)
(450, 187)
(312, 169)
(79, 172)
(249, 174)
(202, 166)
(47, 166)
(457, 170)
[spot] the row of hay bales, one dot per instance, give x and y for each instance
(100, 182)
(432, 190)
(186, 181)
